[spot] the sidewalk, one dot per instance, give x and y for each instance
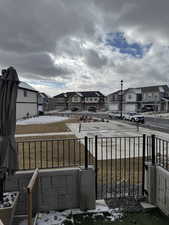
(44, 134)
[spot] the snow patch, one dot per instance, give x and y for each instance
(60, 218)
(41, 120)
(8, 199)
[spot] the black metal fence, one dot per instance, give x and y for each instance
(119, 161)
(53, 153)
(157, 151)
(120, 166)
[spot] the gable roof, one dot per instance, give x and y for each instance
(160, 88)
(92, 94)
(155, 88)
(81, 94)
(64, 95)
(24, 85)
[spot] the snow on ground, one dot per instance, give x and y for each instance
(124, 135)
(41, 120)
(8, 199)
(58, 218)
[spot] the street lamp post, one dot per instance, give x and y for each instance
(121, 100)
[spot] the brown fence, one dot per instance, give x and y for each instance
(32, 197)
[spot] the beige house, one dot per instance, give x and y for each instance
(83, 100)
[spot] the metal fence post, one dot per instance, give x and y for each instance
(86, 153)
(143, 163)
(153, 148)
(96, 165)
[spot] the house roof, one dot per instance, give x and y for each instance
(91, 94)
(81, 94)
(42, 94)
(160, 88)
(27, 86)
(67, 94)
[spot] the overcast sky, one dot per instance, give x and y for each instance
(79, 45)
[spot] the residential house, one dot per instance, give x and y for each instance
(113, 101)
(132, 100)
(154, 98)
(79, 100)
(86, 100)
(61, 101)
(42, 103)
(27, 101)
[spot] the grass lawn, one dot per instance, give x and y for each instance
(45, 128)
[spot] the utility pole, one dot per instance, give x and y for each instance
(121, 100)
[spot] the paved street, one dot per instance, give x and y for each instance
(157, 124)
(154, 123)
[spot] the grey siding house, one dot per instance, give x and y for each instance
(150, 98)
(27, 101)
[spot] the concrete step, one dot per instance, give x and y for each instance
(147, 206)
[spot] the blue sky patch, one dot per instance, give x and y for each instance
(52, 84)
(118, 41)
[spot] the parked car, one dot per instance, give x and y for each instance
(74, 109)
(148, 108)
(114, 115)
(92, 109)
(134, 117)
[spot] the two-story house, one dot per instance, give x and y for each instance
(154, 98)
(131, 99)
(42, 103)
(113, 101)
(86, 100)
(27, 101)
(79, 100)
(60, 101)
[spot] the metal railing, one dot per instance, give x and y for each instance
(119, 161)
(157, 151)
(55, 153)
(120, 166)
(161, 153)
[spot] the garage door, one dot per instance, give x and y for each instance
(113, 107)
(130, 108)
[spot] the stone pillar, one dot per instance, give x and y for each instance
(150, 182)
(87, 188)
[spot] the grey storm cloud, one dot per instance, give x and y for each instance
(93, 59)
(40, 64)
(149, 18)
(38, 25)
(31, 31)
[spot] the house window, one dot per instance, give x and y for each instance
(25, 93)
(75, 99)
(129, 96)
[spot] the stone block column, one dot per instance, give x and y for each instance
(87, 188)
(150, 182)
